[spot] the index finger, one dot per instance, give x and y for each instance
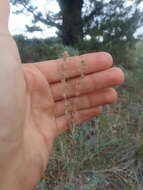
(94, 62)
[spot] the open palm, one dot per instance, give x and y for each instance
(32, 106)
(45, 109)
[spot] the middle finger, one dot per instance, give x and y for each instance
(95, 99)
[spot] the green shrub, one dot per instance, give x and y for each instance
(32, 50)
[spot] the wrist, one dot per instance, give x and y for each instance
(13, 176)
(11, 182)
(15, 181)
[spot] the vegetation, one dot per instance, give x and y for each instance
(41, 49)
(109, 24)
(105, 153)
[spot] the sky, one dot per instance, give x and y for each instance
(17, 22)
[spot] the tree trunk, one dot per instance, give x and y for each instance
(72, 31)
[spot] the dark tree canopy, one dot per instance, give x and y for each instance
(72, 23)
(110, 25)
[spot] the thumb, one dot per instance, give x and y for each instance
(4, 15)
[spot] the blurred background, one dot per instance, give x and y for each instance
(105, 153)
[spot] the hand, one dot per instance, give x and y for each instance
(32, 106)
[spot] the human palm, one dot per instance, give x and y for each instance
(32, 106)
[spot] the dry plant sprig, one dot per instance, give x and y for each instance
(82, 70)
(68, 105)
(71, 108)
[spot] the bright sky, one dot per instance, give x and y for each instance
(17, 22)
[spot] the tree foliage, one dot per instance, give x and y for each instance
(110, 25)
(93, 16)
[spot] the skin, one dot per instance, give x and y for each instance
(32, 106)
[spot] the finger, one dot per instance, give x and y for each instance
(99, 97)
(80, 117)
(89, 83)
(94, 62)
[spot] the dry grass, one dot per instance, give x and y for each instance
(105, 153)
(71, 107)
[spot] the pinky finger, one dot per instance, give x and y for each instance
(80, 116)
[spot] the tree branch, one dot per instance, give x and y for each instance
(96, 11)
(38, 17)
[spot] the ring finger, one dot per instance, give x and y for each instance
(96, 98)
